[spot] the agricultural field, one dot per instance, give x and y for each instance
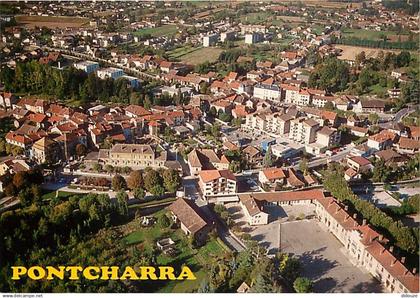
(166, 30)
(195, 56)
(350, 52)
(51, 22)
(372, 35)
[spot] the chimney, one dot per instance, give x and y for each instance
(364, 222)
(381, 237)
(346, 208)
(391, 249)
(382, 251)
(414, 271)
(393, 262)
(402, 260)
(355, 215)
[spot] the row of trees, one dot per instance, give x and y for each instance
(157, 182)
(405, 238)
(381, 44)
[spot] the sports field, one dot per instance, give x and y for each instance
(166, 30)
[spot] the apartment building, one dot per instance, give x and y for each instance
(230, 35)
(110, 72)
(217, 182)
(265, 91)
(303, 130)
(132, 155)
(278, 123)
(328, 137)
(254, 37)
(382, 140)
(210, 40)
(46, 150)
(86, 66)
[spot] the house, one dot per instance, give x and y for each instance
(253, 155)
(210, 40)
(369, 106)
(46, 150)
(191, 219)
(382, 140)
(390, 156)
(205, 159)
(351, 175)
(359, 164)
(217, 182)
(406, 145)
(253, 210)
(272, 177)
(7, 100)
(136, 111)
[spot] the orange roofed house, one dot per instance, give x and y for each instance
(217, 182)
(191, 219)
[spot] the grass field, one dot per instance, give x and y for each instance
(166, 30)
(350, 52)
(370, 34)
(195, 56)
(195, 259)
(51, 22)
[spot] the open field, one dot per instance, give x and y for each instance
(350, 52)
(51, 22)
(196, 259)
(166, 30)
(195, 56)
(372, 34)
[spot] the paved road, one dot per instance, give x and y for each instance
(397, 118)
(222, 230)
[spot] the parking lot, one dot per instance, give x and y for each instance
(323, 257)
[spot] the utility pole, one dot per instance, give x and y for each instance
(279, 244)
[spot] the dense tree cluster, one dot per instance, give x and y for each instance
(403, 237)
(157, 182)
(40, 232)
(332, 75)
(69, 83)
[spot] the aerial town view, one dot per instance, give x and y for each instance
(209, 147)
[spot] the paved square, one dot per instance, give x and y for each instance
(323, 257)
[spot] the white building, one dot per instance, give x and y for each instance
(230, 35)
(110, 72)
(210, 40)
(251, 38)
(264, 91)
(328, 137)
(217, 182)
(303, 130)
(87, 66)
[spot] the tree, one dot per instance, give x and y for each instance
(20, 180)
(373, 118)
(118, 183)
(268, 158)
(290, 267)
(332, 75)
(171, 180)
(163, 221)
(81, 150)
(157, 190)
(360, 59)
(135, 180)
(303, 166)
(139, 193)
(329, 106)
(97, 167)
(152, 179)
(302, 285)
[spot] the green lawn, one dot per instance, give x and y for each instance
(195, 259)
(165, 30)
(256, 17)
(366, 34)
(49, 195)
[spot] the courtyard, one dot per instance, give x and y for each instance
(295, 230)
